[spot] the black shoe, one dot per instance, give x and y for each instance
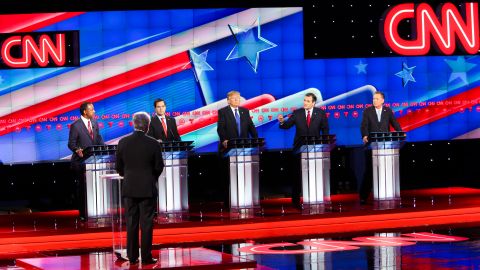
(149, 261)
(363, 201)
(82, 218)
(133, 261)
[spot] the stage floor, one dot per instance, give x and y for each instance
(52, 238)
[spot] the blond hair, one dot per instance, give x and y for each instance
(233, 92)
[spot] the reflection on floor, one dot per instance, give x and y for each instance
(417, 232)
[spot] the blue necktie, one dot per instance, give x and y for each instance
(237, 119)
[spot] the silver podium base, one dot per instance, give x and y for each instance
(386, 174)
(315, 177)
(244, 191)
(173, 187)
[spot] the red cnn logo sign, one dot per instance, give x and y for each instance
(446, 31)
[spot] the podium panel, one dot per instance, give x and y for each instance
(173, 182)
(101, 161)
(314, 152)
(244, 169)
(386, 164)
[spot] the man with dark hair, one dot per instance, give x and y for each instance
(308, 121)
(84, 132)
(139, 161)
(163, 127)
(234, 121)
(376, 118)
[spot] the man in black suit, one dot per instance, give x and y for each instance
(139, 161)
(163, 127)
(308, 121)
(376, 118)
(84, 132)
(234, 121)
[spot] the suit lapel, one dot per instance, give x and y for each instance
(85, 130)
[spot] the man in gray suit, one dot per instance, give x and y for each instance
(84, 132)
(139, 161)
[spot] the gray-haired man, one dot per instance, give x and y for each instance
(140, 162)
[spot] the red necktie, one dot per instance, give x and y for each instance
(90, 131)
(308, 118)
(164, 127)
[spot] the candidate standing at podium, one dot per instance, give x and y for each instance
(308, 121)
(84, 132)
(234, 121)
(163, 127)
(376, 118)
(139, 161)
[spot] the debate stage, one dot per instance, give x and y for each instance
(200, 239)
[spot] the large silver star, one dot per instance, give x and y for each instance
(199, 62)
(249, 45)
(459, 67)
(406, 74)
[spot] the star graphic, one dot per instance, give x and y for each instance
(406, 74)
(199, 62)
(459, 67)
(361, 67)
(249, 44)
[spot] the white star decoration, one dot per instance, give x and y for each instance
(249, 44)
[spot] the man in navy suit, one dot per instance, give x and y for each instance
(234, 121)
(308, 121)
(139, 161)
(84, 132)
(162, 127)
(376, 118)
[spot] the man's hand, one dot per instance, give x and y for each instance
(79, 152)
(225, 143)
(280, 118)
(365, 139)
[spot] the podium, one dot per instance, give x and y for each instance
(386, 164)
(100, 193)
(314, 152)
(173, 182)
(244, 167)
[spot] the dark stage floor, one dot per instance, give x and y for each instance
(428, 229)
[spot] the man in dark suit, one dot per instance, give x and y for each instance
(84, 132)
(139, 161)
(308, 121)
(376, 118)
(163, 127)
(234, 121)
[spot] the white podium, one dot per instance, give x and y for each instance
(386, 164)
(244, 168)
(314, 154)
(101, 161)
(173, 182)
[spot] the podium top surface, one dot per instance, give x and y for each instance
(387, 136)
(177, 146)
(245, 143)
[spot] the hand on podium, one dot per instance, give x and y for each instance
(365, 139)
(79, 152)
(225, 143)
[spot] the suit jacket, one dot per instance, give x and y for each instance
(139, 161)
(318, 123)
(80, 138)
(155, 129)
(227, 126)
(370, 121)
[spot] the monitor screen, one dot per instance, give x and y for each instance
(192, 58)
